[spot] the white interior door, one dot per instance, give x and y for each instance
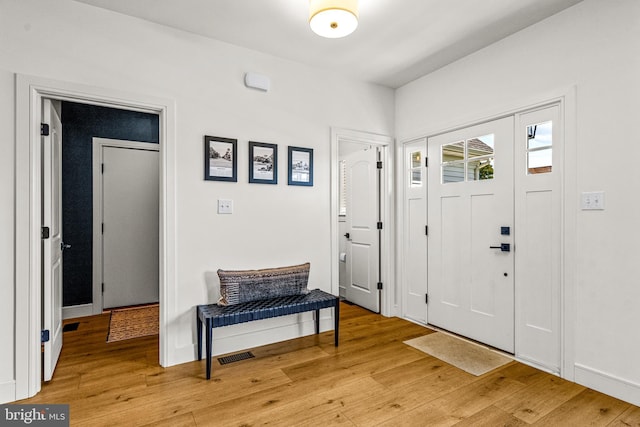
(52, 246)
(130, 206)
(414, 259)
(471, 272)
(363, 210)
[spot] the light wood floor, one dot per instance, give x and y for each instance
(371, 379)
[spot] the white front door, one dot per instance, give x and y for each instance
(52, 245)
(362, 216)
(471, 217)
(414, 259)
(130, 206)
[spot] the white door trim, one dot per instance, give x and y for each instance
(98, 144)
(567, 99)
(29, 93)
(388, 304)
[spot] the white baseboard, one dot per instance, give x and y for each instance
(73, 311)
(7, 391)
(608, 384)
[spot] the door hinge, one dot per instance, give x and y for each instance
(426, 162)
(426, 298)
(44, 336)
(379, 165)
(379, 225)
(45, 233)
(102, 168)
(103, 288)
(102, 230)
(44, 129)
(380, 285)
(426, 230)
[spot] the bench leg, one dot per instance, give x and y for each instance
(208, 343)
(317, 322)
(199, 332)
(336, 320)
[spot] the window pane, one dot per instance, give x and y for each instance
(539, 161)
(478, 170)
(451, 152)
(416, 177)
(539, 135)
(452, 173)
(480, 146)
(342, 200)
(416, 158)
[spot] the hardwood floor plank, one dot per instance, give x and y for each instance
(491, 416)
(629, 418)
(183, 420)
(588, 408)
(372, 378)
(296, 402)
(540, 398)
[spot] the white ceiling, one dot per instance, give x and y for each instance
(396, 42)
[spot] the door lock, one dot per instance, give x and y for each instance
(504, 247)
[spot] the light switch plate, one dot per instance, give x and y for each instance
(225, 206)
(593, 200)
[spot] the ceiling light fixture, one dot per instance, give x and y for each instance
(333, 18)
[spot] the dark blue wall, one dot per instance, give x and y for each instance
(80, 123)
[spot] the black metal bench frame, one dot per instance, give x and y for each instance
(215, 316)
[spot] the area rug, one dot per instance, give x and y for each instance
(128, 323)
(469, 357)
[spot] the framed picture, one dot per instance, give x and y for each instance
(301, 166)
(263, 163)
(220, 162)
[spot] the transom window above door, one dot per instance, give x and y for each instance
(468, 160)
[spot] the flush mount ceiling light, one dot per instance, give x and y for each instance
(333, 18)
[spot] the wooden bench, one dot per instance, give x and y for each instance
(215, 316)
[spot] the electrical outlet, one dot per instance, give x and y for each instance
(225, 206)
(592, 201)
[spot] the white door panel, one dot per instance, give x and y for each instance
(362, 202)
(538, 238)
(131, 226)
(471, 285)
(52, 247)
(414, 259)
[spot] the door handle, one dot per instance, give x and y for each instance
(504, 247)
(64, 246)
(347, 235)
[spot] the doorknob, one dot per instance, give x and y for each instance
(347, 235)
(504, 247)
(64, 246)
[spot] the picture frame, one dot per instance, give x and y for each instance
(263, 163)
(300, 166)
(220, 159)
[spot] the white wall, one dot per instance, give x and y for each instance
(272, 225)
(595, 46)
(7, 135)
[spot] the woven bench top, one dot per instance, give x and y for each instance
(264, 309)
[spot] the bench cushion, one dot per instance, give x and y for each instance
(239, 286)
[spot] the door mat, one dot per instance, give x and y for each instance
(128, 323)
(472, 358)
